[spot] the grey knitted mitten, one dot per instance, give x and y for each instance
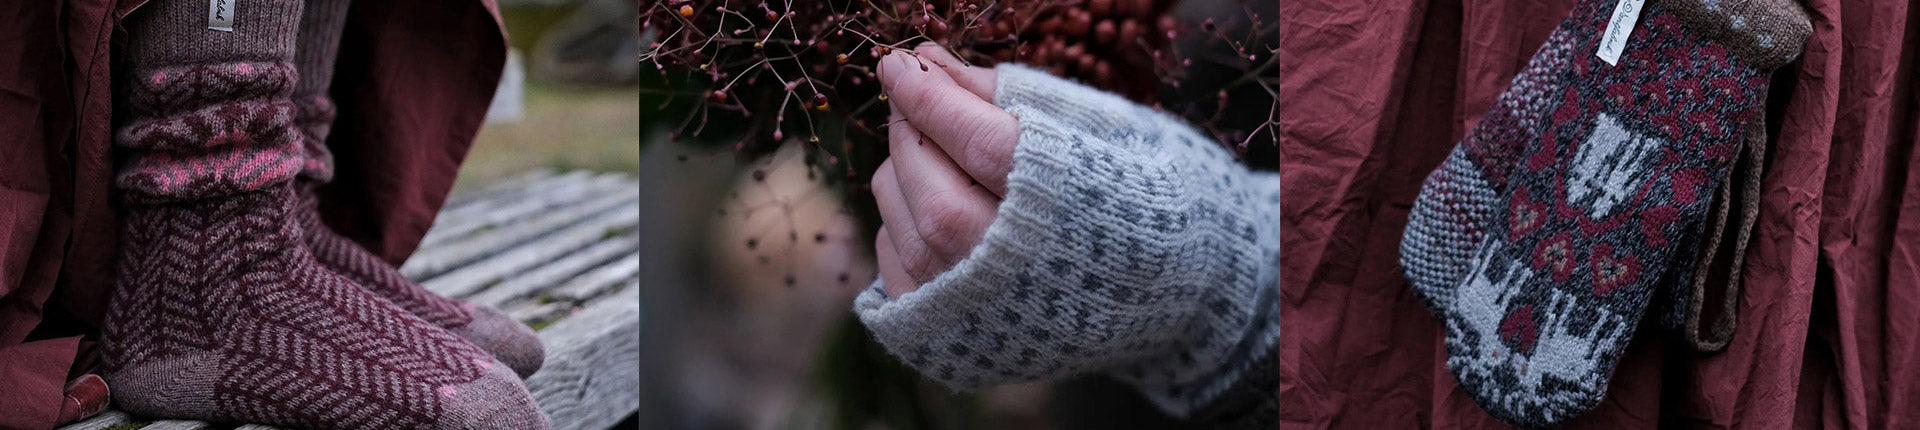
(1127, 244)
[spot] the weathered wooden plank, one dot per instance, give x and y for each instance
(516, 181)
(590, 380)
(494, 195)
(520, 208)
(500, 198)
(106, 419)
(472, 277)
(538, 315)
(553, 273)
(592, 284)
(453, 254)
(177, 425)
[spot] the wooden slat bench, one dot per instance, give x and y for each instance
(560, 252)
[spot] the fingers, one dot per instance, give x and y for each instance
(913, 254)
(977, 80)
(949, 211)
(975, 134)
(893, 276)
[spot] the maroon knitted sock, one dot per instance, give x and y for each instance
(508, 340)
(317, 47)
(314, 51)
(214, 316)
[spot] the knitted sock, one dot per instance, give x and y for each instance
(214, 317)
(314, 53)
(317, 48)
(1448, 219)
(1598, 204)
(1127, 244)
(507, 339)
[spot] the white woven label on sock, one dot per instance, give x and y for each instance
(220, 15)
(1626, 13)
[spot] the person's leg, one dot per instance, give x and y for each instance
(318, 46)
(214, 317)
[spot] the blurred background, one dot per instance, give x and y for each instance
(566, 101)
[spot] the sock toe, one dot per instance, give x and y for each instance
(508, 340)
(497, 400)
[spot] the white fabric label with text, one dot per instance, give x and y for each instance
(1626, 13)
(220, 15)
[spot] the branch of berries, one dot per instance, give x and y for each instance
(769, 70)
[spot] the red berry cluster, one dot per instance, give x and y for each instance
(767, 70)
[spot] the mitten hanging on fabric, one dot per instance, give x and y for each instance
(1621, 175)
(214, 317)
(1127, 244)
(1706, 316)
(508, 340)
(1449, 218)
(1722, 246)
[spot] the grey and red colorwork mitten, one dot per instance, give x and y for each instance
(1622, 173)
(1449, 218)
(508, 340)
(214, 316)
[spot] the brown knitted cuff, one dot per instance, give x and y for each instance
(1765, 33)
(1711, 313)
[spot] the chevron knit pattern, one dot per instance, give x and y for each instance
(507, 339)
(1127, 244)
(217, 314)
(317, 47)
(217, 319)
(1620, 177)
(191, 149)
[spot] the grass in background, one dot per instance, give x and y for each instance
(564, 128)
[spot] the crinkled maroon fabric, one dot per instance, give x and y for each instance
(1377, 92)
(413, 84)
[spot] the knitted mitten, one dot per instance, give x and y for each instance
(1449, 218)
(1127, 244)
(214, 316)
(1620, 175)
(1707, 293)
(510, 341)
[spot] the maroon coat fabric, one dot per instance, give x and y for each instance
(1377, 92)
(412, 86)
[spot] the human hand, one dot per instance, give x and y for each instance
(950, 152)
